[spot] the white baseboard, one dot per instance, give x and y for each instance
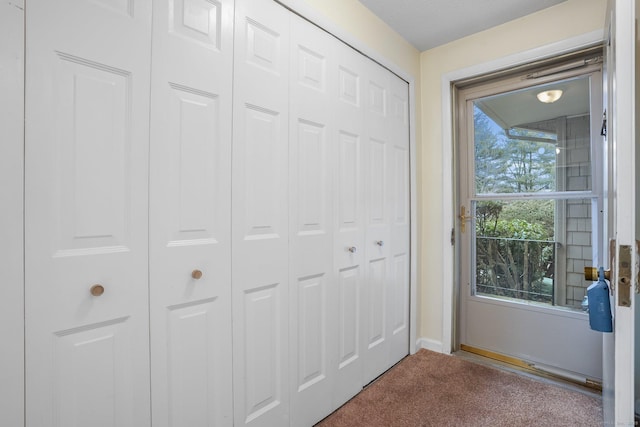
(430, 344)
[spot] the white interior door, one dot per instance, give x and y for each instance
(313, 343)
(349, 162)
(378, 225)
(190, 213)
(621, 78)
(398, 199)
(260, 228)
(86, 238)
(349, 223)
(386, 245)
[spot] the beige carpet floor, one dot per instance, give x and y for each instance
(431, 389)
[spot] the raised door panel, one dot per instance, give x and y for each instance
(190, 213)
(94, 161)
(376, 309)
(90, 394)
(349, 221)
(311, 348)
(349, 210)
(349, 284)
(196, 388)
(264, 372)
(263, 173)
(86, 192)
(377, 209)
(312, 321)
(260, 226)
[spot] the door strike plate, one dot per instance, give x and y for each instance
(637, 266)
(624, 276)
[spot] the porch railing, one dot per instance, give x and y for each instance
(515, 268)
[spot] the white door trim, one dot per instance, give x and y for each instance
(306, 11)
(449, 275)
(622, 113)
(12, 214)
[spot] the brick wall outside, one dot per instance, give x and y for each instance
(578, 226)
(575, 175)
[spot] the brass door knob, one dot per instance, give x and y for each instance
(591, 274)
(196, 274)
(97, 290)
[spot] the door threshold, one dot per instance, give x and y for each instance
(541, 371)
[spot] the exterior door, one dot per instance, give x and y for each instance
(86, 208)
(622, 111)
(530, 217)
(260, 205)
(190, 215)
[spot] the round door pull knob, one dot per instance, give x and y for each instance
(352, 249)
(196, 274)
(380, 243)
(97, 290)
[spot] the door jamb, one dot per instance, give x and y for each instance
(12, 53)
(449, 274)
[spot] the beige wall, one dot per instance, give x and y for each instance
(566, 20)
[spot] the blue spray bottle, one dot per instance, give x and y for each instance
(599, 306)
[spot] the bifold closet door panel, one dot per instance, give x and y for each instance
(313, 312)
(86, 228)
(399, 199)
(348, 222)
(377, 243)
(190, 213)
(260, 226)
(386, 293)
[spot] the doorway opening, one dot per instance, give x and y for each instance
(530, 206)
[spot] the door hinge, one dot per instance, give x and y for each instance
(453, 236)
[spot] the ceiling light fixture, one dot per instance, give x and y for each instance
(549, 96)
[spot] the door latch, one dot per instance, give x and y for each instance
(464, 218)
(624, 276)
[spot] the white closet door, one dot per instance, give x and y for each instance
(377, 245)
(86, 177)
(190, 213)
(398, 199)
(260, 228)
(349, 223)
(313, 312)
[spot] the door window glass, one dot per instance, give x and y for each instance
(532, 197)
